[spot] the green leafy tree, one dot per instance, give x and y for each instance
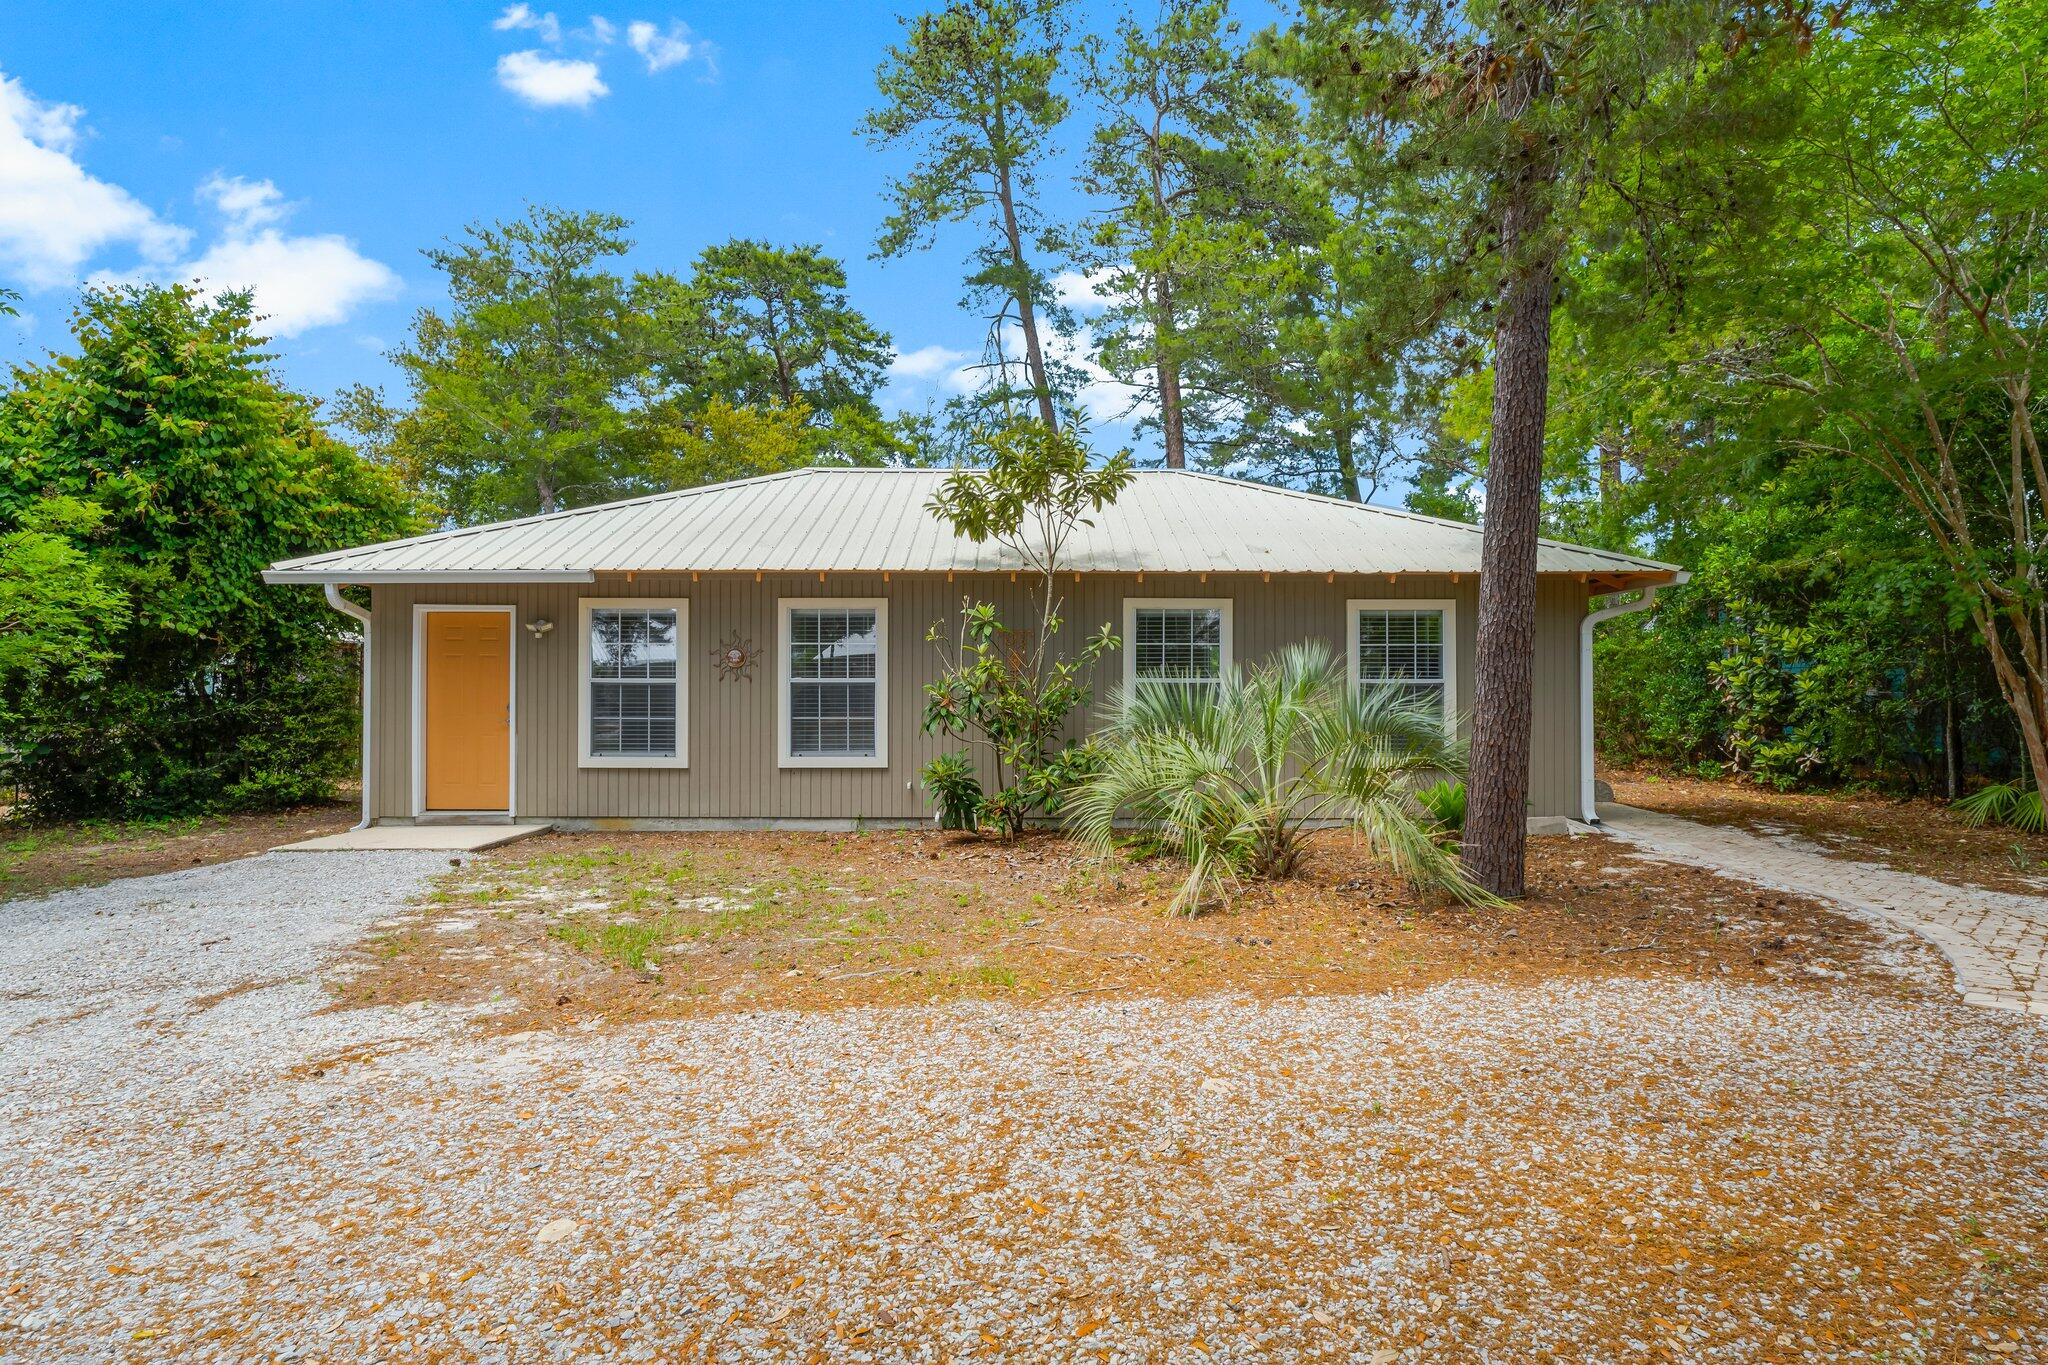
(1818, 641)
(1830, 316)
(1009, 692)
(523, 392)
(720, 440)
(776, 329)
(57, 611)
(970, 91)
(200, 469)
(1294, 351)
(56, 608)
(759, 362)
(1476, 128)
(1898, 299)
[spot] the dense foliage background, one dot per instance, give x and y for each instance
(1790, 259)
(167, 467)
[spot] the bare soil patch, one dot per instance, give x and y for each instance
(1908, 835)
(39, 858)
(570, 928)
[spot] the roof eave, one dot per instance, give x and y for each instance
(374, 577)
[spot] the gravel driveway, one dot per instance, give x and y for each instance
(196, 1163)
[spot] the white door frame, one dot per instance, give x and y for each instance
(419, 707)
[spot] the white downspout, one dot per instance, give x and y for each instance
(1588, 807)
(348, 608)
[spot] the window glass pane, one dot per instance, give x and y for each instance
(834, 656)
(1179, 644)
(1403, 650)
(633, 671)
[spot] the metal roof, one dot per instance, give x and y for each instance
(871, 520)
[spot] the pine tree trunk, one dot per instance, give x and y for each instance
(1167, 370)
(1497, 803)
(1027, 315)
(1347, 469)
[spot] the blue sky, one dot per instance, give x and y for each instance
(312, 150)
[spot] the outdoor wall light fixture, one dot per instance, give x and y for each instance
(540, 627)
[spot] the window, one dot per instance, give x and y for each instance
(635, 688)
(1410, 646)
(1185, 642)
(835, 677)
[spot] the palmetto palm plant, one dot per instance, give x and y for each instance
(1238, 773)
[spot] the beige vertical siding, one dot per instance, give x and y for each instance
(733, 772)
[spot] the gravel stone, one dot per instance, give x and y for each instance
(197, 1158)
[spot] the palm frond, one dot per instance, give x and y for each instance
(1235, 774)
(2004, 803)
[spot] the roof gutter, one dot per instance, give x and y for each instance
(1588, 806)
(348, 608)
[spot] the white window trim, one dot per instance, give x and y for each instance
(585, 606)
(1132, 605)
(1447, 605)
(786, 605)
(419, 708)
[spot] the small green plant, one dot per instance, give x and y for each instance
(2004, 803)
(1445, 799)
(953, 783)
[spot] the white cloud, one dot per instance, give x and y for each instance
(602, 30)
(1074, 290)
(300, 282)
(550, 82)
(1107, 400)
(940, 371)
(926, 362)
(928, 372)
(661, 48)
(246, 204)
(54, 216)
(517, 17)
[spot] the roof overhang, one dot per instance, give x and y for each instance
(371, 578)
(1618, 579)
(1630, 579)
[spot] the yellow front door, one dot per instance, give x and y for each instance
(468, 710)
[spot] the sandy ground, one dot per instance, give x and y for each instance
(197, 1162)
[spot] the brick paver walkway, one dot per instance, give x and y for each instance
(1997, 941)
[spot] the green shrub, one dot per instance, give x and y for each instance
(953, 783)
(1445, 799)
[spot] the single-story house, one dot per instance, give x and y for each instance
(755, 652)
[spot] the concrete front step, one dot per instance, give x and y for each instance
(415, 838)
